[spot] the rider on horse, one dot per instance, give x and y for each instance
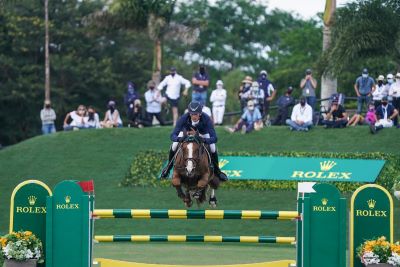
(195, 120)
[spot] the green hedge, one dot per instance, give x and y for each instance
(146, 167)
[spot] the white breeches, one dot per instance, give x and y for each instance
(384, 123)
(218, 114)
(175, 144)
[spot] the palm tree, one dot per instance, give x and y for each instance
(46, 55)
(328, 80)
(151, 15)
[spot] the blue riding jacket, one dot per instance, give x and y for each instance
(205, 126)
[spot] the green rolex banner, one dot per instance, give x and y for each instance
(28, 208)
(301, 169)
(371, 216)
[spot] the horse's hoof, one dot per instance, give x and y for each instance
(213, 202)
(197, 195)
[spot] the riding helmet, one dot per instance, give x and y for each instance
(195, 107)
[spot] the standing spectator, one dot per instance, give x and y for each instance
(93, 120)
(200, 81)
(308, 85)
(269, 91)
(336, 116)
(154, 101)
(301, 119)
(48, 116)
(379, 92)
(284, 102)
(386, 113)
(394, 92)
(256, 94)
(250, 120)
(112, 117)
(218, 98)
(390, 81)
(246, 86)
(173, 82)
(130, 97)
(364, 87)
(78, 117)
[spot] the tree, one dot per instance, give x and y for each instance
(365, 29)
(328, 81)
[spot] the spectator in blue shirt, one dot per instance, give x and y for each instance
(364, 87)
(386, 114)
(250, 120)
(200, 81)
(269, 91)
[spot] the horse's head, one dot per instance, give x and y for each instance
(191, 154)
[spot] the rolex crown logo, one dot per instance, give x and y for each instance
(324, 201)
(67, 199)
(32, 200)
(327, 165)
(223, 162)
(371, 203)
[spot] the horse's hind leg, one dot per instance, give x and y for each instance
(213, 199)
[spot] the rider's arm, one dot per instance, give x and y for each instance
(213, 136)
(178, 128)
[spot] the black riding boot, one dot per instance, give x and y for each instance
(168, 167)
(222, 176)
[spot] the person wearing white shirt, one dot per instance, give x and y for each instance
(301, 119)
(48, 116)
(394, 93)
(379, 92)
(79, 119)
(173, 84)
(112, 117)
(154, 101)
(92, 121)
(218, 98)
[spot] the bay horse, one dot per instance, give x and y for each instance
(193, 174)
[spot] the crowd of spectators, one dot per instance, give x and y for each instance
(381, 99)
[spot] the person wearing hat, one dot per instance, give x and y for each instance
(48, 116)
(394, 93)
(269, 92)
(284, 102)
(200, 81)
(363, 87)
(195, 120)
(308, 85)
(336, 116)
(246, 86)
(386, 113)
(154, 101)
(379, 92)
(250, 120)
(218, 98)
(301, 118)
(256, 94)
(112, 118)
(173, 84)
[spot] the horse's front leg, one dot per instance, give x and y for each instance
(201, 186)
(176, 182)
